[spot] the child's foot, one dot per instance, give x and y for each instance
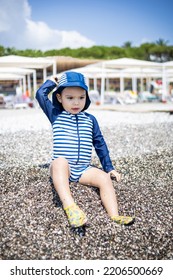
(75, 215)
(80, 231)
(123, 220)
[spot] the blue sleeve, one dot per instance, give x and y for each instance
(101, 147)
(44, 102)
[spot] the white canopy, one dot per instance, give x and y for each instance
(126, 68)
(10, 77)
(28, 62)
(25, 66)
(91, 71)
(22, 72)
(168, 64)
(127, 63)
(140, 72)
(123, 64)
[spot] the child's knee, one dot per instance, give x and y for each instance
(60, 162)
(105, 178)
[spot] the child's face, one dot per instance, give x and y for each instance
(73, 99)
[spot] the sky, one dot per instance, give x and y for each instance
(56, 24)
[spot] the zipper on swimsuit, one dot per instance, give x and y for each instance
(78, 138)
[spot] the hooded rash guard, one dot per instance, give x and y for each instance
(74, 135)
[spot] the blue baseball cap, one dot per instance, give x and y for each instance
(71, 79)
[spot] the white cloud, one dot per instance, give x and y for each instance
(17, 29)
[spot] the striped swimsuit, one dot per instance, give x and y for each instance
(72, 139)
(74, 135)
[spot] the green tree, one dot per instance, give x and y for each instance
(146, 49)
(162, 42)
(159, 53)
(135, 52)
(2, 51)
(10, 51)
(127, 44)
(114, 52)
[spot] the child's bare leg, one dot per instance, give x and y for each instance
(60, 175)
(98, 178)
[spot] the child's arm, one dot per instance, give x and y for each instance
(102, 151)
(44, 101)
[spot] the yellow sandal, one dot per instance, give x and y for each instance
(123, 220)
(75, 215)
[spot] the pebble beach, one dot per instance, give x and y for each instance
(33, 223)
